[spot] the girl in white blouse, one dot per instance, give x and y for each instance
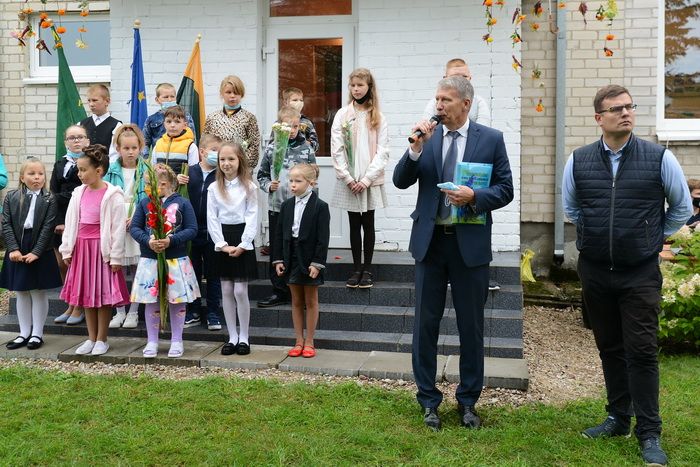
(232, 221)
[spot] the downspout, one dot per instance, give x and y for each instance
(560, 138)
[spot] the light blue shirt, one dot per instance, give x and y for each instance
(672, 178)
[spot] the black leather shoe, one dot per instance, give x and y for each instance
(14, 344)
(468, 416)
(34, 342)
(229, 349)
(432, 419)
(272, 300)
(243, 349)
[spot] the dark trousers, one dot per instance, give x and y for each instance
(201, 252)
(623, 309)
(279, 286)
(469, 292)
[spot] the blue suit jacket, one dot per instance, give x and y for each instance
(484, 145)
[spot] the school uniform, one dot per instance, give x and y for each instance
(64, 179)
(303, 234)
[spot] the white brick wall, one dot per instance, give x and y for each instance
(404, 43)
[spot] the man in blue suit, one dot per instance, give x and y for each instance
(459, 254)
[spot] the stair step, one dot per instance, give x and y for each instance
(324, 338)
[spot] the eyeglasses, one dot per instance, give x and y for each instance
(75, 138)
(618, 109)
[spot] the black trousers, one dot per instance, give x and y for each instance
(469, 287)
(623, 309)
(279, 286)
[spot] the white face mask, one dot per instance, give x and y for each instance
(297, 105)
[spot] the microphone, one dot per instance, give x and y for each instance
(419, 134)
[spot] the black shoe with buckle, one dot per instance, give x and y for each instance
(468, 417)
(354, 280)
(272, 300)
(366, 280)
(652, 453)
(432, 419)
(610, 427)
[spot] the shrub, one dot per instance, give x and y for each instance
(679, 322)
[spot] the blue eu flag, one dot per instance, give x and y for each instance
(139, 107)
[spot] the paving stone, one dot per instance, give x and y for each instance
(260, 357)
(509, 373)
(194, 352)
(118, 353)
(327, 362)
(395, 365)
(53, 346)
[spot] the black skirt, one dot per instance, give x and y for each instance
(42, 274)
(241, 269)
(296, 273)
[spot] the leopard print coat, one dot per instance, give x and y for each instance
(240, 127)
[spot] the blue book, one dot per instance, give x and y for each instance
(475, 176)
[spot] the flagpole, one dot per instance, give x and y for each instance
(137, 24)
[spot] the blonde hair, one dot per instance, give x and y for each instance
(99, 89)
(165, 172)
(65, 134)
(693, 184)
(287, 93)
(128, 129)
(308, 171)
(235, 82)
(243, 174)
(288, 112)
(163, 86)
(455, 63)
(372, 103)
(207, 139)
(23, 167)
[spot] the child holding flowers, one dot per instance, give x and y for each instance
(300, 251)
(360, 151)
(232, 221)
(127, 173)
(93, 248)
(288, 148)
(162, 225)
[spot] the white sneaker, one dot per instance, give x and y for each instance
(100, 348)
(85, 348)
(131, 321)
(151, 350)
(176, 350)
(117, 320)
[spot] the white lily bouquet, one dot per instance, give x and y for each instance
(281, 133)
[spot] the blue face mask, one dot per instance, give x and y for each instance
(167, 105)
(73, 155)
(212, 158)
(232, 107)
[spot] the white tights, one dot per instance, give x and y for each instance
(32, 309)
(234, 300)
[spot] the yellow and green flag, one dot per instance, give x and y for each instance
(70, 108)
(190, 96)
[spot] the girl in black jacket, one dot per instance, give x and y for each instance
(29, 268)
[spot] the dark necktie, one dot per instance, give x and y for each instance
(448, 174)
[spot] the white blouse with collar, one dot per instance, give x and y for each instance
(237, 207)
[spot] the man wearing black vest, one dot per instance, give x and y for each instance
(100, 126)
(615, 191)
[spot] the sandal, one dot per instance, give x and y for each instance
(151, 350)
(296, 351)
(308, 352)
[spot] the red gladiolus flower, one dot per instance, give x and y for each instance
(151, 207)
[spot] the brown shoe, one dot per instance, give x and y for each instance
(366, 281)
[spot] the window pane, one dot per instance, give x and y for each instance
(682, 70)
(320, 79)
(310, 7)
(97, 39)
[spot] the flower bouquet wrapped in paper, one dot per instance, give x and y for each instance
(346, 128)
(281, 133)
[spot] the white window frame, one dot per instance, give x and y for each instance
(668, 129)
(49, 74)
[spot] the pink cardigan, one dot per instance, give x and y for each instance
(112, 225)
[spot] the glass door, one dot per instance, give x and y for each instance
(316, 60)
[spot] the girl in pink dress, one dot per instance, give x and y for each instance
(93, 248)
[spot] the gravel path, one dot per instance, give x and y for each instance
(561, 355)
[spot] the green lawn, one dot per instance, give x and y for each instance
(57, 418)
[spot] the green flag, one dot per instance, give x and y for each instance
(70, 108)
